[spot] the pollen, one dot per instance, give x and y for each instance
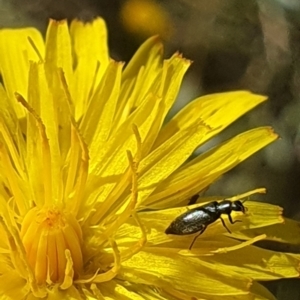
(52, 240)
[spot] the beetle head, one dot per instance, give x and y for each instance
(238, 206)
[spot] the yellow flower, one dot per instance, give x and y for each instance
(87, 167)
(144, 24)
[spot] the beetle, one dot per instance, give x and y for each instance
(198, 218)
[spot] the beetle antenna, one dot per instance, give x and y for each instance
(246, 209)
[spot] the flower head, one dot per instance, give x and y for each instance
(91, 178)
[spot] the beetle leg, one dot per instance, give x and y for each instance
(194, 240)
(231, 221)
(223, 222)
(193, 199)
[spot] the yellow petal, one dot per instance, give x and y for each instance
(15, 54)
(173, 71)
(165, 270)
(9, 117)
(111, 163)
(71, 294)
(75, 171)
(163, 84)
(58, 53)
(13, 286)
(288, 232)
(150, 54)
(216, 110)
(258, 263)
(91, 59)
(199, 173)
(115, 290)
(260, 292)
(97, 121)
(167, 158)
(17, 184)
(141, 75)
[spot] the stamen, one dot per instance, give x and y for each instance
(45, 149)
(35, 48)
(240, 245)
(110, 274)
(133, 164)
(128, 253)
(247, 194)
(78, 155)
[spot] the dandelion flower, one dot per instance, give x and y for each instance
(91, 177)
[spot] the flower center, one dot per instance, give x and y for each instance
(52, 240)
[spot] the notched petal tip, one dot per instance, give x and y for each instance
(273, 133)
(57, 22)
(180, 55)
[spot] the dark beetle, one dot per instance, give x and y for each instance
(197, 219)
